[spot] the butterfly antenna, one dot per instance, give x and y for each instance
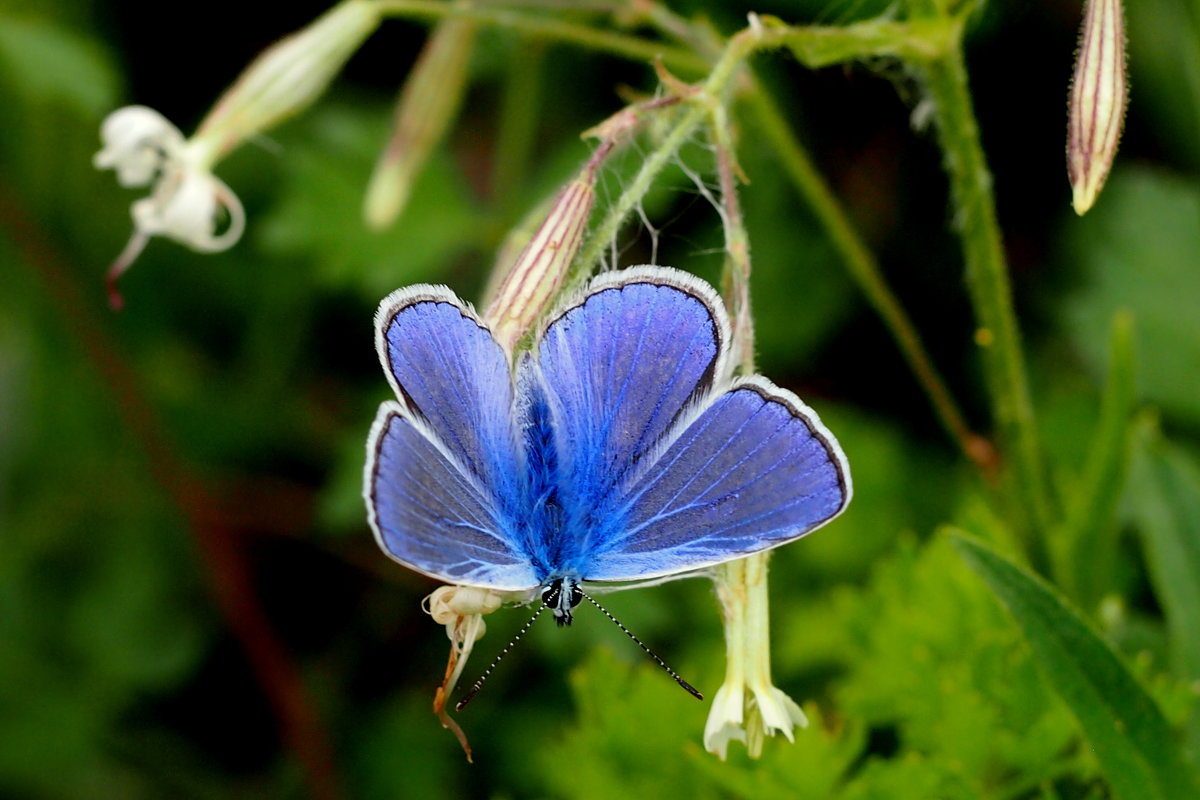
(475, 687)
(687, 686)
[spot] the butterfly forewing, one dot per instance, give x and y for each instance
(449, 370)
(618, 369)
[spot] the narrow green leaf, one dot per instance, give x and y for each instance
(1132, 740)
(1167, 505)
(1089, 534)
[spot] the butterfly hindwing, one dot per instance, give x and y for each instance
(751, 470)
(431, 515)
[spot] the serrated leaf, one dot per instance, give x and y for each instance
(1128, 732)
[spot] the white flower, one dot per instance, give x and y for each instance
(747, 706)
(137, 142)
(188, 203)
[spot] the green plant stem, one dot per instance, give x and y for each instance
(658, 158)
(736, 275)
(864, 270)
(630, 47)
(913, 40)
(988, 285)
(690, 117)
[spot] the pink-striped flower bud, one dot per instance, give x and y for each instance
(538, 273)
(428, 105)
(1099, 91)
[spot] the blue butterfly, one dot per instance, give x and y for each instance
(618, 448)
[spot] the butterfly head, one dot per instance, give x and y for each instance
(560, 596)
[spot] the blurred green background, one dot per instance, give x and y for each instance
(191, 604)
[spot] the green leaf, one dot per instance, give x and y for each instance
(318, 217)
(1165, 47)
(46, 62)
(1137, 249)
(1131, 738)
(1089, 535)
(1167, 506)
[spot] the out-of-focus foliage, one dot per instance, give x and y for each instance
(190, 601)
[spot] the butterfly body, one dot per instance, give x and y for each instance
(618, 448)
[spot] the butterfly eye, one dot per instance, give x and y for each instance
(576, 595)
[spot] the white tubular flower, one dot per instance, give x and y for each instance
(188, 203)
(1099, 92)
(747, 706)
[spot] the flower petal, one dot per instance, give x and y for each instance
(187, 207)
(138, 143)
(725, 719)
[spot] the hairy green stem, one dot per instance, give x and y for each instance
(658, 158)
(694, 112)
(998, 335)
(631, 47)
(736, 277)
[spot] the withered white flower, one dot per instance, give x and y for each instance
(188, 203)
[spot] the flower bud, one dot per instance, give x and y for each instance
(428, 104)
(286, 78)
(537, 275)
(1098, 95)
